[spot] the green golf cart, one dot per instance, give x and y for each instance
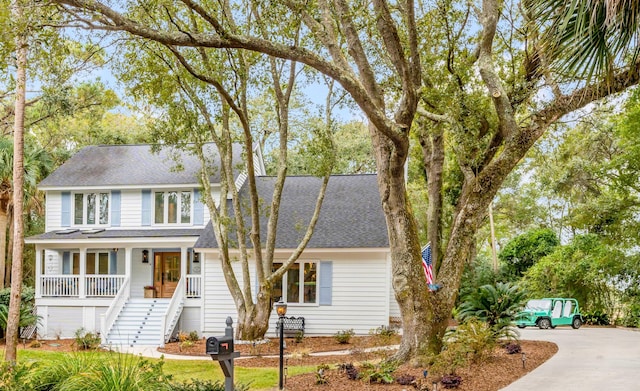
(549, 313)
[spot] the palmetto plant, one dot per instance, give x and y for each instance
(588, 38)
(494, 304)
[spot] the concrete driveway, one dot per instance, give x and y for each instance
(588, 359)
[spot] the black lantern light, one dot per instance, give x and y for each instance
(281, 310)
(145, 256)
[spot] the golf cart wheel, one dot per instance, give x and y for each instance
(521, 326)
(544, 323)
(576, 323)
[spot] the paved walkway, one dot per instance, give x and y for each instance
(588, 359)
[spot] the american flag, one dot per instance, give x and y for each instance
(426, 263)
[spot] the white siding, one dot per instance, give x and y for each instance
(360, 296)
(131, 209)
(141, 273)
(63, 321)
(190, 320)
(53, 210)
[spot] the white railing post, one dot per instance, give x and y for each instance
(38, 287)
(175, 304)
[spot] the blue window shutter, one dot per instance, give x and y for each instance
(113, 262)
(66, 262)
(146, 207)
(326, 282)
(65, 215)
(198, 208)
(115, 208)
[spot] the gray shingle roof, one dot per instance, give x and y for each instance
(351, 215)
(122, 165)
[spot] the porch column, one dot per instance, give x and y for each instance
(38, 287)
(183, 261)
(82, 291)
(128, 253)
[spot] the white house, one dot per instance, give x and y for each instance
(120, 219)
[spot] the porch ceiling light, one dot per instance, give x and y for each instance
(145, 256)
(281, 308)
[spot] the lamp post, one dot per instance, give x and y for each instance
(281, 310)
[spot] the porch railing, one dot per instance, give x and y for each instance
(103, 285)
(95, 285)
(109, 317)
(59, 286)
(194, 286)
(173, 311)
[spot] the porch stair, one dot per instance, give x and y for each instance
(140, 323)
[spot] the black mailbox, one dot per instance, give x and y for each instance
(219, 345)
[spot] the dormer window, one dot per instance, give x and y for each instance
(91, 208)
(172, 207)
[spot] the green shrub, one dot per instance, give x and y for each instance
(379, 373)
(344, 336)
(632, 316)
(120, 372)
(596, 318)
(193, 336)
(15, 377)
(86, 340)
(299, 337)
(205, 385)
(321, 377)
(52, 374)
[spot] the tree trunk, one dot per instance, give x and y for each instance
(254, 324)
(433, 158)
(13, 318)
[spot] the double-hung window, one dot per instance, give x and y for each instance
(91, 208)
(299, 283)
(96, 263)
(172, 207)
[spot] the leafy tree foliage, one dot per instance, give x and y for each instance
(525, 250)
(585, 269)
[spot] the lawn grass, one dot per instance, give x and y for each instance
(185, 370)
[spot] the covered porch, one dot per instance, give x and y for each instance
(94, 272)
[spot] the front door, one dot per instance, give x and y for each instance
(166, 273)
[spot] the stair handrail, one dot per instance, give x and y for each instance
(109, 317)
(173, 311)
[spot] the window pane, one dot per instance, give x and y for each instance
(173, 208)
(77, 209)
(91, 263)
(91, 208)
(310, 282)
(276, 292)
(103, 263)
(104, 208)
(185, 208)
(159, 208)
(293, 284)
(76, 263)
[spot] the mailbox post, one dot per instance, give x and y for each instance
(221, 350)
